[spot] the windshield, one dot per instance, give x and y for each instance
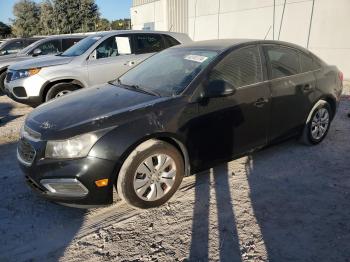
(81, 47)
(168, 73)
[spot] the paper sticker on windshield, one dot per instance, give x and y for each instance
(196, 58)
(97, 37)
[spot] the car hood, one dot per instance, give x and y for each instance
(43, 61)
(8, 60)
(88, 110)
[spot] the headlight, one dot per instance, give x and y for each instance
(75, 147)
(18, 74)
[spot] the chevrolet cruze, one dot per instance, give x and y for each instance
(181, 111)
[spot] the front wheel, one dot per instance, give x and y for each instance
(59, 90)
(151, 174)
(318, 125)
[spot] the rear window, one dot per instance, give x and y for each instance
(169, 41)
(308, 63)
(283, 61)
(147, 43)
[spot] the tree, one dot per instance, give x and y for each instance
(5, 30)
(27, 18)
(121, 24)
(103, 25)
(47, 19)
(75, 16)
(89, 15)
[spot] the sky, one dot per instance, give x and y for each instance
(110, 9)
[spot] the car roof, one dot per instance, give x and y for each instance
(224, 44)
(114, 32)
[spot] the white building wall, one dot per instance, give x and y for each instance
(218, 19)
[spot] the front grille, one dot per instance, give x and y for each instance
(26, 152)
(8, 76)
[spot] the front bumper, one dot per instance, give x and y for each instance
(26, 90)
(84, 170)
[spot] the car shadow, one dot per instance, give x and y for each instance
(31, 227)
(5, 114)
(295, 197)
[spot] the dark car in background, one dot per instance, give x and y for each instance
(47, 46)
(13, 46)
(181, 111)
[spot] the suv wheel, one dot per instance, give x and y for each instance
(318, 125)
(151, 174)
(59, 90)
(2, 79)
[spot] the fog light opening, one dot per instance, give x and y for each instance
(69, 187)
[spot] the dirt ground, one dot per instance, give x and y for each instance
(288, 202)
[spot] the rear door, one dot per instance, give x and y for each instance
(112, 58)
(291, 90)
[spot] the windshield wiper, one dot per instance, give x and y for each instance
(135, 87)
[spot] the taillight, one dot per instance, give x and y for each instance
(341, 76)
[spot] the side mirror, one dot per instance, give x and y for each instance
(37, 52)
(4, 52)
(219, 88)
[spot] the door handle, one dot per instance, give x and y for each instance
(130, 63)
(261, 102)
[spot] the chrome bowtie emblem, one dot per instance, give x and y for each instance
(46, 125)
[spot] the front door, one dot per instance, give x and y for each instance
(231, 125)
(112, 58)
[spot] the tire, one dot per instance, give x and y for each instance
(317, 126)
(2, 86)
(140, 187)
(59, 90)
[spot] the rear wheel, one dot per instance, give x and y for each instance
(2, 79)
(318, 125)
(150, 175)
(59, 90)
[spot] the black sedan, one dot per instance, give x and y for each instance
(181, 111)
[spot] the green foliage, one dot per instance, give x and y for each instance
(5, 30)
(61, 17)
(27, 14)
(121, 24)
(103, 25)
(47, 21)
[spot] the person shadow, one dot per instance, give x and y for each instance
(5, 114)
(229, 249)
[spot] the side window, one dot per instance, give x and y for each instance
(169, 41)
(114, 46)
(283, 61)
(50, 47)
(14, 47)
(147, 43)
(308, 63)
(240, 68)
(67, 43)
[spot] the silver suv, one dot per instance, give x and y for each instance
(47, 46)
(97, 59)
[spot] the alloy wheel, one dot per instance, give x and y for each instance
(154, 177)
(320, 123)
